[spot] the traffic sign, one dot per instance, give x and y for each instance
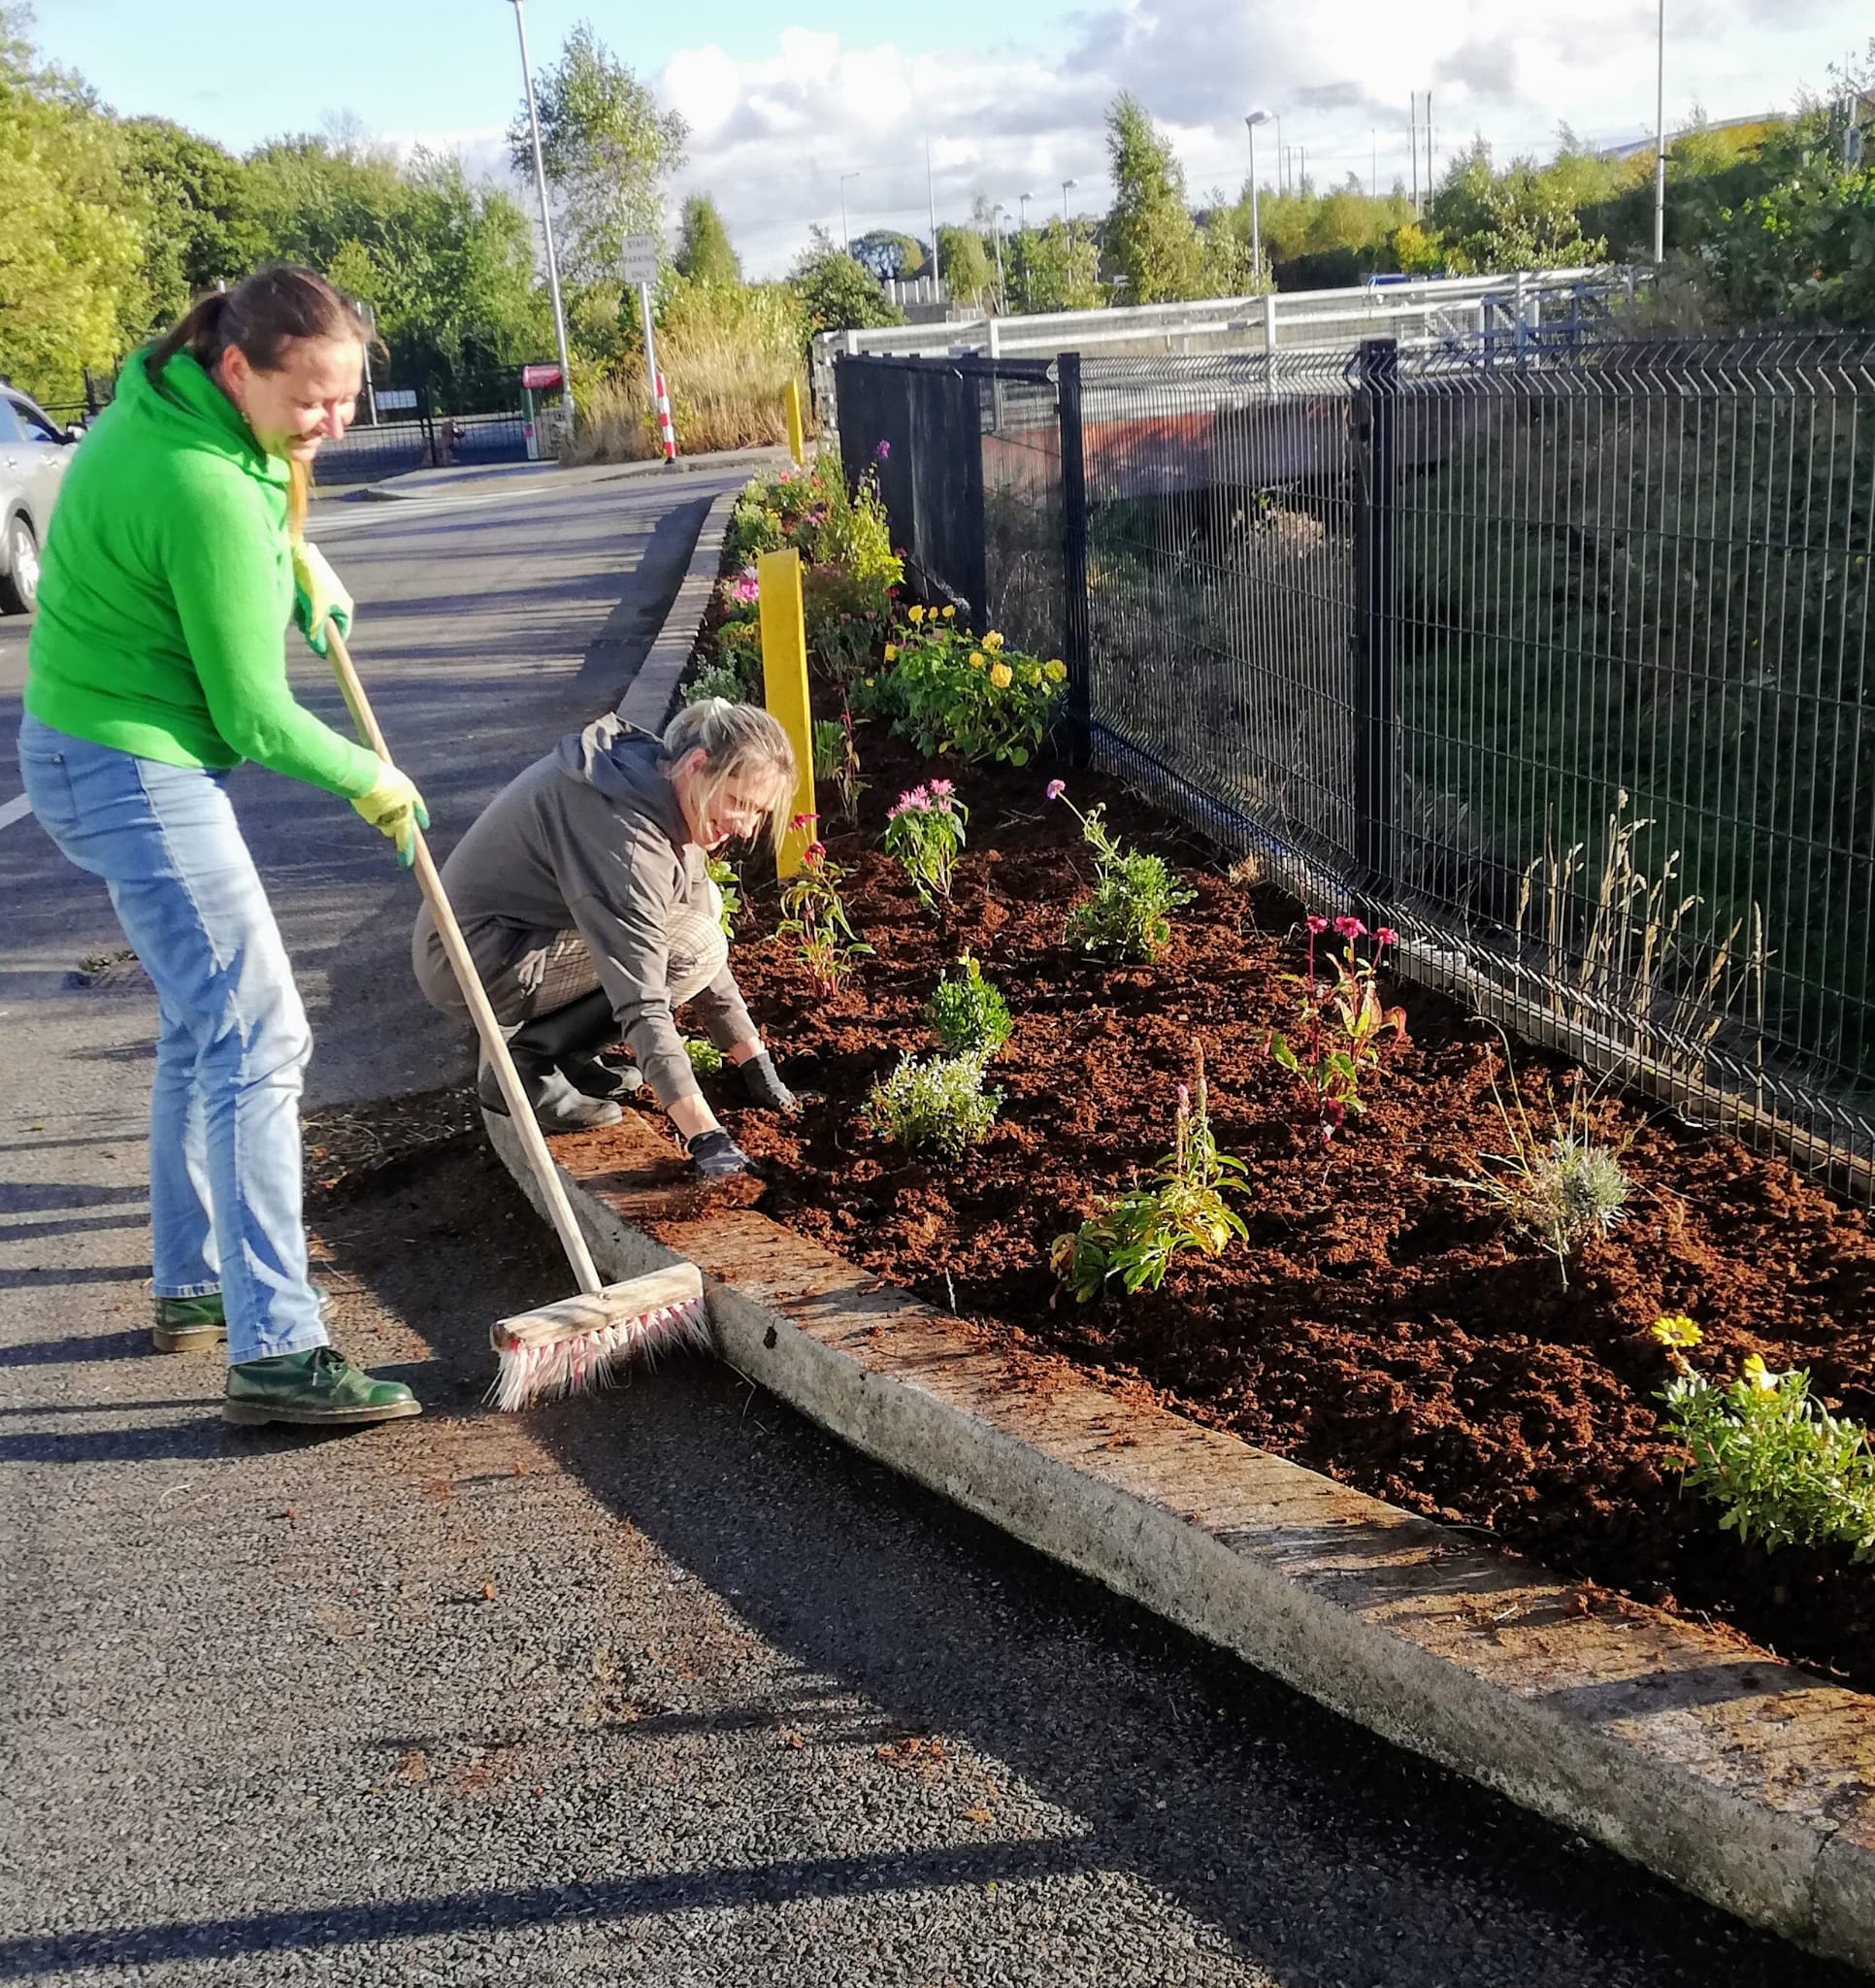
(395, 397)
(641, 258)
(537, 379)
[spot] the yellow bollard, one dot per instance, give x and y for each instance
(785, 683)
(797, 439)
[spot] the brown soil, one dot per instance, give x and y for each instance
(1381, 1325)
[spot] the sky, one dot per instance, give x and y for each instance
(1008, 94)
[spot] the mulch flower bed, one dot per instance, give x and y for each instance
(1380, 1324)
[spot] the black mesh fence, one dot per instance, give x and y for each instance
(1549, 653)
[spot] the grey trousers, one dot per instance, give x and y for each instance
(563, 971)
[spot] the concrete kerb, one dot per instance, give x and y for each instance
(647, 697)
(1746, 1780)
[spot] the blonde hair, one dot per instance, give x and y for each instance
(262, 314)
(738, 742)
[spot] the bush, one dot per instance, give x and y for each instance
(937, 1102)
(1787, 1472)
(705, 1059)
(969, 1015)
(1129, 916)
(948, 692)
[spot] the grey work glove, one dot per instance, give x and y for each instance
(715, 1155)
(764, 1084)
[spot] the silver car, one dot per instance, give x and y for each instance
(34, 451)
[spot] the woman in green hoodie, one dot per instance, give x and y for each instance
(156, 664)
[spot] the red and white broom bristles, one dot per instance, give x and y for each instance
(550, 1355)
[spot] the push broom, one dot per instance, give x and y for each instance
(585, 1342)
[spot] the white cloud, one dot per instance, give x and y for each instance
(772, 136)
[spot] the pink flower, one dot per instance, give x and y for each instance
(880, 453)
(815, 852)
(1315, 924)
(1349, 928)
(1184, 1101)
(1386, 935)
(1056, 789)
(941, 789)
(804, 820)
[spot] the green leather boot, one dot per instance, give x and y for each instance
(184, 1325)
(318, 1389)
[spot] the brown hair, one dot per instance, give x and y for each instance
(261, 315)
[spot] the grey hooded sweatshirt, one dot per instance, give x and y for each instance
(590, 838)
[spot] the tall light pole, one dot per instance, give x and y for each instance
(931, 199)
(996, 230)
(845, 240)
(1022, 242)
(1281, 155)
(546, 217)
(1251, 122)
(1065, 185)
(1660, 141)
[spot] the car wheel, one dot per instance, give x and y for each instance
(19, 582)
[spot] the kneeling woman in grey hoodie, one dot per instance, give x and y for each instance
(583, 894)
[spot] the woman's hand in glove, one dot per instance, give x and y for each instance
(319, 598)
(764, 1084)
(395, 808)
(715, 1155)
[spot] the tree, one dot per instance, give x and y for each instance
(889, 255)
(198, 224)
(72, 290)
(608, 149)
(704, 254)
(1518, 219)
(1150, 237)
(838, 293)
(1062, 268)
(965, 260)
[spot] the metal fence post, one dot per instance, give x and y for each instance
(1076, 634)
(1375, 687)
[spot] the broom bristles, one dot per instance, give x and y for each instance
(584, 1362)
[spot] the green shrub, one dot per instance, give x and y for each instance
(1141, 1232)
(949, 692)
(1787, 1470)
(967, 1014)
(705, 1059)
(937, 1102)
(1128, 917)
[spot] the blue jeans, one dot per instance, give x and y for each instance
(232, 1040)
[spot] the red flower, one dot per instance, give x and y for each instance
(1316, 924)
(815, 852)
(1386, 935)
(1349, 928)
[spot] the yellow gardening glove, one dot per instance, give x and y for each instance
(319, 598)
(395, 808)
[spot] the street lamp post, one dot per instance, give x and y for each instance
(1660, 141)
(1022, 242)
(996, 231)
(1251, 122)
(1066, 184)
(845, 240)
(546, 217)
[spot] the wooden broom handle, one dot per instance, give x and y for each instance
(493, 1044)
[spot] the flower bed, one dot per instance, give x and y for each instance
(1382, 1319)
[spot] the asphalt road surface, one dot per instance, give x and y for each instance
(663, 1686)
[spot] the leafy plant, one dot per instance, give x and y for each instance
(719, 679)
(1129, 916)
(814, 916)
(1139, 1234)
(949, 692)
(837, 760)
(1341, 1025)
(845, 616)
(1561, 1189)
(967, 1014)
(936, 1101)
(729, 886)
(1787, 1470)
(924, 833)
(705, 1059)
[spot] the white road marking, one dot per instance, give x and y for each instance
(14, 811)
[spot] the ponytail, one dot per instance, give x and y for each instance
(261, 315)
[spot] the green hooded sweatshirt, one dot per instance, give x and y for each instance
(166, 587)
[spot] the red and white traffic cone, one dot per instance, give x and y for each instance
(665, 429)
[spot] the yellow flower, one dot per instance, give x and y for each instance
(916, 616)
(1677, 1330)
(892, 652)
(1760, 1376)
(950, 613)
(1002, 677)
(976, 659)
(1056, 672)
(993, 642)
